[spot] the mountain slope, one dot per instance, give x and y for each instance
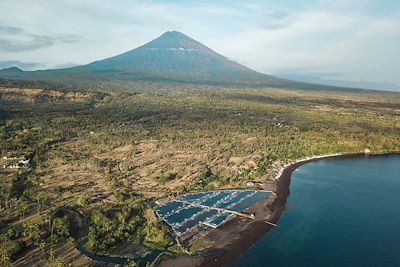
(172, 56)
(175, 54)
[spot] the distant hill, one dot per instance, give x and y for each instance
(342, 83)
(11, 71)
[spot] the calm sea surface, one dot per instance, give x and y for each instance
(341, 212)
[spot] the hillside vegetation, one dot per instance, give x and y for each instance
(110, 154)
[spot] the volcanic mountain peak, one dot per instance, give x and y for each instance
(173, 40)
(171, 56)
(174, 55)
(176, 41)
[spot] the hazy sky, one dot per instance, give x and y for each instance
(336, 39)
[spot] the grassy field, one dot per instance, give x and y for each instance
(110, 154)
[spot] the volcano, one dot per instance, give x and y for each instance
(173, 56)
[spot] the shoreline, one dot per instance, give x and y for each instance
(229, 254)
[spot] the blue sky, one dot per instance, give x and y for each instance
(340, 39)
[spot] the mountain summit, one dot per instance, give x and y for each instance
(172, 56)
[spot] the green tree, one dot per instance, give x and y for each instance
(156, 236)
(32, 232)
(130, 263)
(5, 258)
(82, 201)
(22, 209)
(59, 229)
(58, 262)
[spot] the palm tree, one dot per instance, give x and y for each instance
(23, 208)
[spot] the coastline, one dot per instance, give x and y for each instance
(228, 254)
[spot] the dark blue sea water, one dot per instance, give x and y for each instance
(341, 212)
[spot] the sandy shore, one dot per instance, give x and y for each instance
(239, 235)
